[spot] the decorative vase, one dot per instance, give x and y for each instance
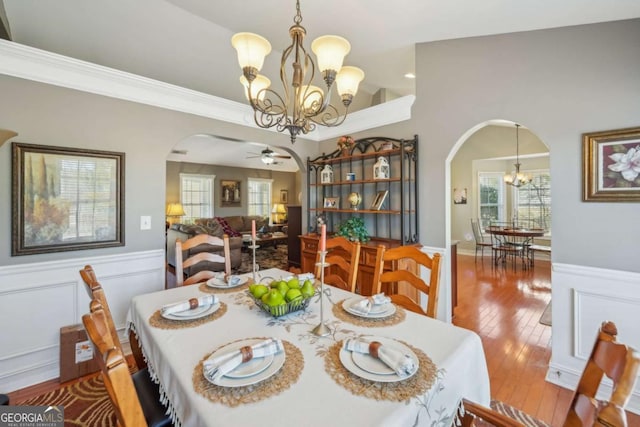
(345, 152)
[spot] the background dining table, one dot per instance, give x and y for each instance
(315, 398)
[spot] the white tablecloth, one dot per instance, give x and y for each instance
(315, 400)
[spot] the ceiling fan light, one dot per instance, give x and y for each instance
(258, 86)
(267, 160)
(348, 80)
(252, 49)
(330, 51)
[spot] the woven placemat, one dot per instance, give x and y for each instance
(272, 386)
(209, 290)
(399, 391)
(394, 319)
(157, 321)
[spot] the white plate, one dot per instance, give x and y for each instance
(365, 367)
(385, 310)
(220, 283)
(196, 313)
(260, 375)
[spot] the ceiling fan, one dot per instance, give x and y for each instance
(268, 156)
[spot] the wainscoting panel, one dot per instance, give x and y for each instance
(36, 300)
(583, 297)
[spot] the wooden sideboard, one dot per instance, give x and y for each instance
(309, 250)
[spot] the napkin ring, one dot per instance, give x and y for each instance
(193, 303)
(247, 353)
(373, 348)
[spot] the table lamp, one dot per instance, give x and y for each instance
(278, 213)
(174, 210)
(5, 135)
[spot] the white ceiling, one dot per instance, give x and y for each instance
(187, 42)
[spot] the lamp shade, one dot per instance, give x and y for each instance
(5, 135)
(348, 80)
(330, 51)
(278, 208)
(251, 49)
(257, 86)
(175, 209)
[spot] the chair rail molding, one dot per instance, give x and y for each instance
(29, 353)
(583, 297)
(46, 67)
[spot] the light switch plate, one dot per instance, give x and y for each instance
(145, 223)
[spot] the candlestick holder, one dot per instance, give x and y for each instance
(253, 247)
(322, 330)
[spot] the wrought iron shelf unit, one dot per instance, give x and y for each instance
(396, 219)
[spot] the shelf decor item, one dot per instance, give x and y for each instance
(354, 199)
(326, 175)
(381, 169)
(354, 230)
(381, 196)
(345, 144)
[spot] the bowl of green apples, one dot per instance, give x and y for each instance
(282, 296)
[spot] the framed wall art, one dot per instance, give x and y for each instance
(284, 196)
(331, 202)
(65, 199)
(230, 196)
(611, 166)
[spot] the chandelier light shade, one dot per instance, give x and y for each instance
(302, 105)
(517, 178)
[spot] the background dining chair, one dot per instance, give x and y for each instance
(95, 291)
(407, 257)
(481, 241)
(343, 256)
(507, 247)
(136, 400)
(608, 357)
(199, 266)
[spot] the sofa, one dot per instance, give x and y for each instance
(234, 226)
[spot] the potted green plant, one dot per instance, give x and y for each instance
(354, 230)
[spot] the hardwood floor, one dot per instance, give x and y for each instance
(503, 306)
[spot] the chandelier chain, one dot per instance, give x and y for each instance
(298, 18)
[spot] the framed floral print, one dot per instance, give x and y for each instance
(66, 199)
(611, 166)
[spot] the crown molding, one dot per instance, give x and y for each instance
(46, 67)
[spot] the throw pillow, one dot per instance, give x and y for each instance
(214, 228)
(227, 229)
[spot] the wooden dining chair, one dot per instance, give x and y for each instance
(344, 256)
(409, 258)
(135, 399)
(199, 265)
(95, 291)
(617, 361)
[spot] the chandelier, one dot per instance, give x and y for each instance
(302, 106)
(516, 178)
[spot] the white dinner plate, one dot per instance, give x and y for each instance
(220, 283)
(372, 369)
(262, 369)
(382, 311)
(196, 313)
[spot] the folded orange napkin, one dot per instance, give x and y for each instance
(365, 305)
(216, 367)
(190, 304)
(403, 364)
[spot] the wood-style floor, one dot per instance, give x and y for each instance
(503, 306)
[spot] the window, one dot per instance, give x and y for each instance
(491, 197)
(259, 196)
(533, 201)
(196, 196)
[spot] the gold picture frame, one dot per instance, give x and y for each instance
(231, 195)
(331, 202)
(381, 196)
(610, 160)
(66, 199)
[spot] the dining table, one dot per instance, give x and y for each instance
(509, 236)
(314, 381)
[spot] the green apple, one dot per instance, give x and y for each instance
(308, 290)
(258, 290)
(294, 283)
(282, 287)
(293, 295)
(273, 298)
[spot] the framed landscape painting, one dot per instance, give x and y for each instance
(611, 166)
(66, 199)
